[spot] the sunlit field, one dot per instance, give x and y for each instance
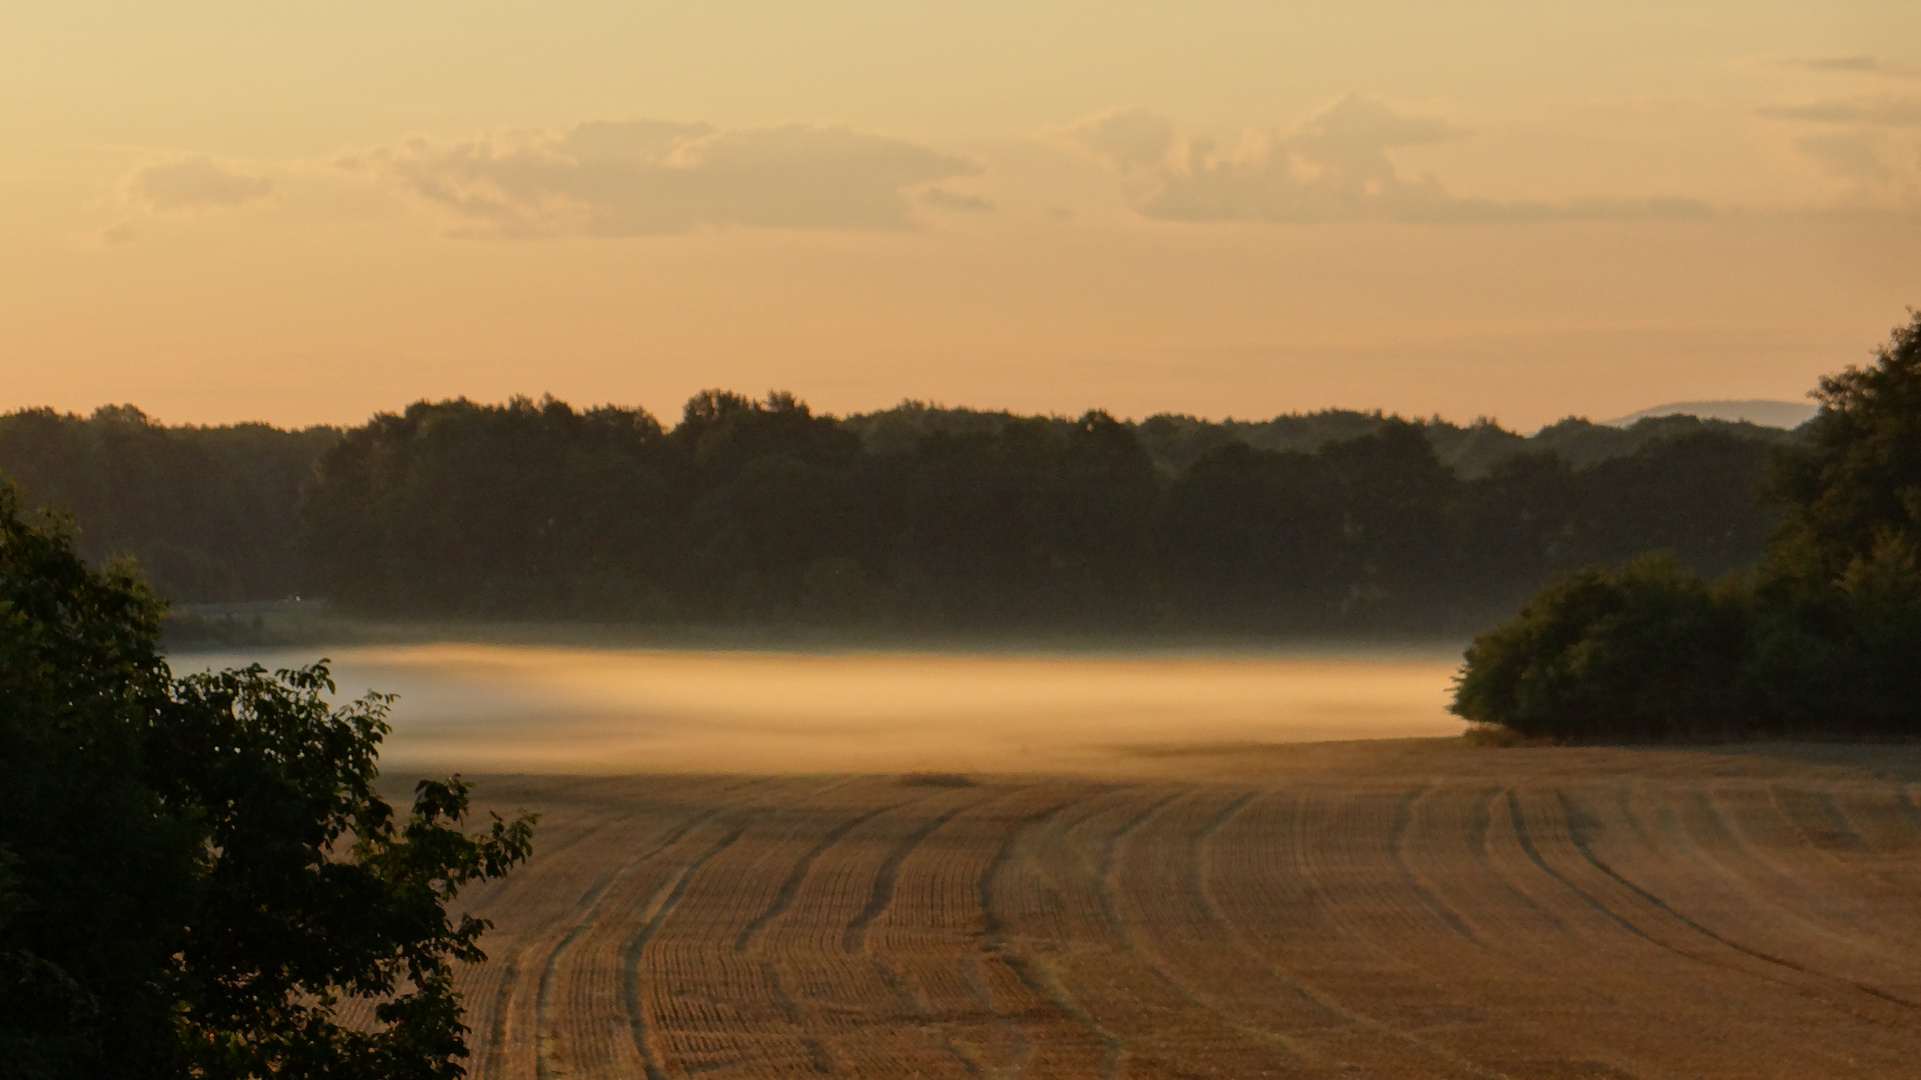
(1388, 909)
(1123, 867)
(484, 708)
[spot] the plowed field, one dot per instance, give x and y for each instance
(1405, 909)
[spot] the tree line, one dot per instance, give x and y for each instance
(1818, 639)
(915, 518)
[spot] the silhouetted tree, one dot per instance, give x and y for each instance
(1820, 638)
(196, 873)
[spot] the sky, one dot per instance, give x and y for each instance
(307, 212)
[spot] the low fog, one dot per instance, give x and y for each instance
(501, 709)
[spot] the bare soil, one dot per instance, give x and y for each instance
(1413, 908)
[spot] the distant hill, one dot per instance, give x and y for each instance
(1780, 414)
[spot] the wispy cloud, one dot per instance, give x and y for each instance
(1852, 64)
(942, 199)
(651, 178)
(195, 184)
(1869, 142)
(1334, 166)
(1883, 111)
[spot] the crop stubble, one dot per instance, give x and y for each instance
(1406, 910)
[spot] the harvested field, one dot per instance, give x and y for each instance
(1396, 909)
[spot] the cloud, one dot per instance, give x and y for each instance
(942, 199)
(1334, 166)
(1866, 141)
(1854, 64)
(652, 178)
(195, 184)
(1852, 155)
(1131, 139)
(1884, 111)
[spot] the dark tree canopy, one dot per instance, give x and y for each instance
(1854, 484)
(916, 519)
(1820, 639)
(195, 873)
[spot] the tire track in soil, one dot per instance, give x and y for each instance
(663, 905)
(1581, 845)
(853, 939)
(790, 885)
(1738, 842)
(817, 1053)
(993, 941)
(1478, 828)
(1328, 1001)
(1104, 893)
(881, 896)
(1889, 845)
(589, 908)
(1508, 927)
(1397, 850)
(1579, 842)
(1124, 930)
(1037, 979)
(1526, 839)
(494, 1051)
(1819, 820)
(1198, 868)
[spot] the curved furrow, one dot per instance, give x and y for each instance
(1756, 985)
(1397, 850)
(1889, 827)
(865, 1024)
(790, 885)
(708, 1007)
(587, 988)
(642, 1032)
(529, 910)
(1216, 982)
(924, 1008)
(1460, 984)
(818, 1058)
(854, 936)
(1803, 913)
(544, 992)
(1311, 945)
(1663, 1001)
(927, 939)
(994, 958)
(505, 975)
(1053, 917)
(662, 906)
(493, 1055)
(1101, 882)
(583, 914)
(1872, 893)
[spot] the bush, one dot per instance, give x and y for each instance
(1647, 652)
(1820, 640)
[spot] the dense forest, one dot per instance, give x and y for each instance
(916, 518)
(1817, 639)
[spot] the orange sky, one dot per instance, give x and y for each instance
(306, 213)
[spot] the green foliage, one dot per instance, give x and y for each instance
(196, 873)
(915, 518)
(1855, 481)
(1647, 652)
(212, 512)
(1819, 640)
